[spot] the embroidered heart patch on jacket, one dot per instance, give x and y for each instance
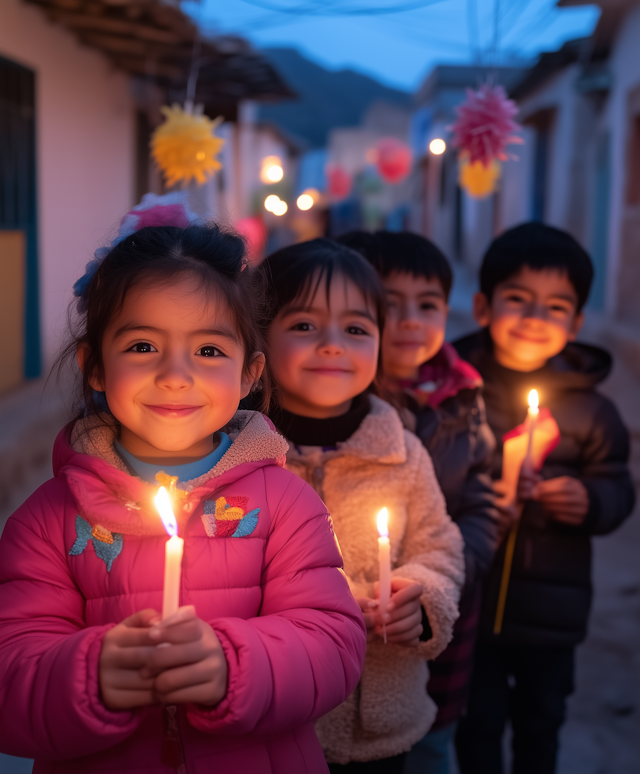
(226, 517)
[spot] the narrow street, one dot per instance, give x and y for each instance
(602, 733)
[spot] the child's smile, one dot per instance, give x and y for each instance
(172, 371)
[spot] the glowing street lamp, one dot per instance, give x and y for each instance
(305, 202)
(437, 146)
(280, 208)
(271, 202)
(271, 170)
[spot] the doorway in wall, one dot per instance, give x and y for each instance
(629, 266)
(19, 302)
(542, 121)
(600, 228)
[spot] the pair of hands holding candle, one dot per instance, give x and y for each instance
(146, 660)
(564, 498)
(403, 616)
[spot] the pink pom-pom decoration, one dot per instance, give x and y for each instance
(485, 125)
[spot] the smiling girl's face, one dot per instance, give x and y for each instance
(173, 370)
(325, 352)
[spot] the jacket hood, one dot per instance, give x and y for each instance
(578, 367)
(442, 377)
(109, 496)
(379, 438)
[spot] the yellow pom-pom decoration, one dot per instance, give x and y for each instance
(476, 179)
(185, 146)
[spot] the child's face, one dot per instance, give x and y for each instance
(172, 366)
(531, 317)
(324, 355)
(416, 322)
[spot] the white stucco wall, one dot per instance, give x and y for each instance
(516, 184)
(624, 64)
(85, 152)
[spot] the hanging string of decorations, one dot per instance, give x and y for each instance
(484, 127)
(185, 146)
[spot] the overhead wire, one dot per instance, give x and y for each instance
(472, 30)
(338, 8)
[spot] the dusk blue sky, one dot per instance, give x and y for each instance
(400, 49)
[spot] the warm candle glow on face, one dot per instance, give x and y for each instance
(534, 402)
(163, 504)
(383, 517)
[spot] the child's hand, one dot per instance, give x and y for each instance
(404, 613)
(565, 498)
(192, 667)
(125, 651)
(369, 608)
(527, 482)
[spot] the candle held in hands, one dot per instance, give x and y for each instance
(533, 418)
(173, 555)
(384, 558)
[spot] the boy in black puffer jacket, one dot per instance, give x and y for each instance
(534, 282)
(442, 401)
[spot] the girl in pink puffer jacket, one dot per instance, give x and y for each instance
(268, 638)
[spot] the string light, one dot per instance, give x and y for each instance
(437, 146)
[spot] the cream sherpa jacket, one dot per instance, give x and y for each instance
(382, 464)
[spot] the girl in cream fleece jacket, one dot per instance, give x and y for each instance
(327, 313)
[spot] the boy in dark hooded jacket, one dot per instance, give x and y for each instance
(442, 401)
(534, 281)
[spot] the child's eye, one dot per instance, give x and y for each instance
(143, 347)
(356, 330)
(515, 298)
(558, 309)
(428, 306)
(302, 326)
(209, 351)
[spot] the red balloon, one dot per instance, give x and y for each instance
(394, 160)
(255, 232)
(338, 182)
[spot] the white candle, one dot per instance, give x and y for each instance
(384, 559)
(172, 555)
(533, 418)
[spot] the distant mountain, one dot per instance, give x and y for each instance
(327, 98)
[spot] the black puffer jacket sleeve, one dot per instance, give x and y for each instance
(475, 514)
(604, 472)
(461, 445)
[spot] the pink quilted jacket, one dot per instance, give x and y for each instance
(87, 550)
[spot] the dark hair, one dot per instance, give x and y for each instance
(296, 273)
(158, 255)
(401, 251)
(539, 247)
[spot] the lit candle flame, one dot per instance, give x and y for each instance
(163, 504)
(383, 516)
(534, 402)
